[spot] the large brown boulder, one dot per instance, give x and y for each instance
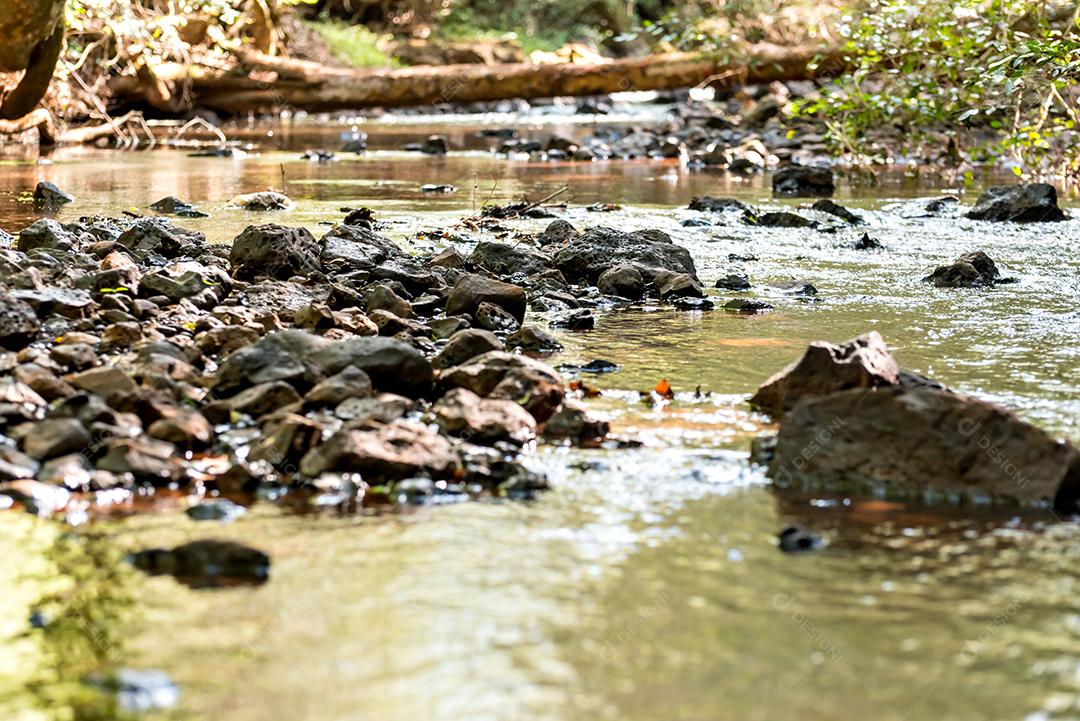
(589, 256)
(863, 362)
(398, 450)
(472, 290)
(923, 443)
(483, 420)
(536, 386)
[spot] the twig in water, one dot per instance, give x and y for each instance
(201, 122)
(494, 187)
(554, 195)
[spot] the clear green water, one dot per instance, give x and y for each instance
(647, 584)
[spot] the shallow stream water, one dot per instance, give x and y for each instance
(647, 584)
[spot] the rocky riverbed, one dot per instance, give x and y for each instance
(138, 356)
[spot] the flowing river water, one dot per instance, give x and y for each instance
(647, 584)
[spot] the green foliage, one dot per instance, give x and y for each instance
(353, 45)
(539, 25)
(992, 73)
(709, 24)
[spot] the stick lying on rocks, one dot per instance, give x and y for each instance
(852, 420)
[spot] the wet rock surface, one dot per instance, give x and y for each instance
(587, 257)
(801, 180)
(1034, 203)
(970, 270)
(294, 360)
(289, 359)
(825, 368)
(853, 421)
(48, 196)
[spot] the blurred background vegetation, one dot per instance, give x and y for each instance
(983, 76)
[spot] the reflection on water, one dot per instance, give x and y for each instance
(66, 613)
(647, 584)
(387, 179)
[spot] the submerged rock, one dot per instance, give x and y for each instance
(733, 281)
(40, 499)
(747, 305)
(717, 205)
(434, 145)
(780, 219)
(572, 423)
(215, 509)
(867, 243)
(139, 691)
(47, 195)
(172, 205)
(801, 180)
(796, 539)
(796, 287)
(970, 270)
(830, 207)
(1033, 203)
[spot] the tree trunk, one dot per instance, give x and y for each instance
(31, 37)
(313, 87)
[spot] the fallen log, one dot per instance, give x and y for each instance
(90, 133)
(40, 119)
(313, 87)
